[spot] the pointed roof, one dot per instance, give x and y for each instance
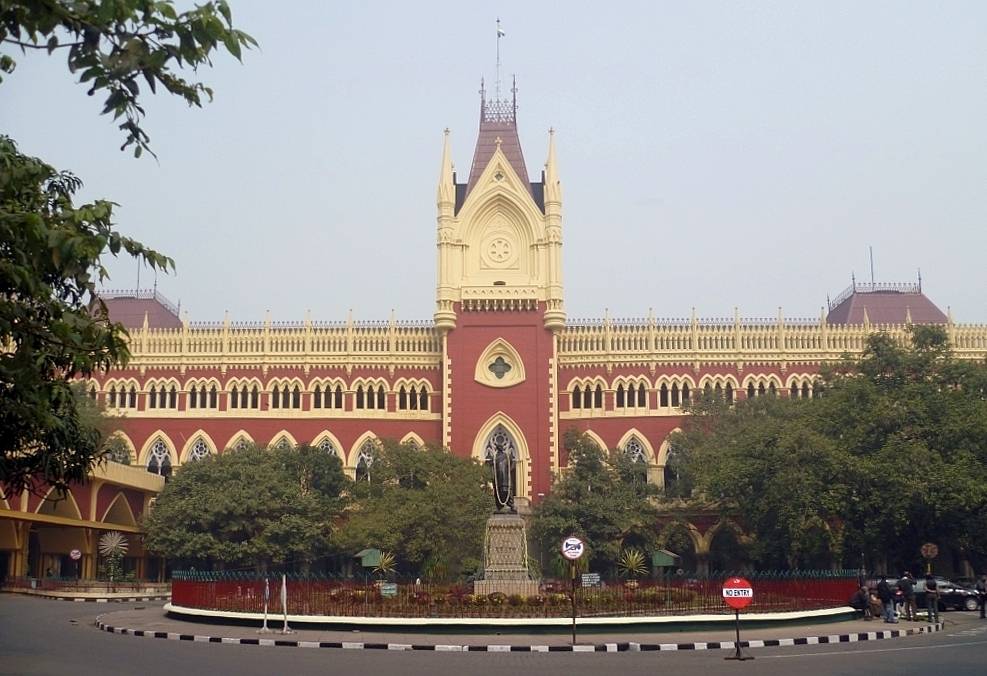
(884, 304)
(130, 308)
(498, 120)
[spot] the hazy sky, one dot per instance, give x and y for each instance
(711, 154)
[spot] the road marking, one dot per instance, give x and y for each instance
(876, 650)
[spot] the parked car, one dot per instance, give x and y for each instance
(951, 595)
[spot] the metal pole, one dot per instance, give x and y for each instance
(738, 654)
(573, 571)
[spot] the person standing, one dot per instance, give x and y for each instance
(982, 595)
(932, 598)
(907, 587)
(886, 595)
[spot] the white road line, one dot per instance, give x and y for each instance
(877, 650)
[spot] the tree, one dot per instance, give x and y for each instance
(602, 498)
(116, 45)
(53, 327)
(426, 506)
(890, 456)
(250, 507)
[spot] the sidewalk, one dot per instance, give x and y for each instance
(153, 623)
(92, 597)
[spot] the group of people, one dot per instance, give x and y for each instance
(900, 601)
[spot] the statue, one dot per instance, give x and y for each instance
(500, 456)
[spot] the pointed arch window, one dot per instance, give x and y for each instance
(159, 460)
(327, 446)
(793, 391)
(642, 396)
(381, 401)
(152, 397)
(772, 391)
(364, 459)
(806, 392)
(598, 397)
(686, 395)
(317, 397)
(172, 397)
(198, 451)
(193, 397)
(621, 401)
(577, 397)
(676, 400)
(635, 450)
(360, 402)
(750, 390)
(132, 401)
(422, 399)
(283, 444)
(111, 398)
(403, 398)
(254, 397)
(338, 397)
(663, 396)
(213, 397)
(276, 397)
(296, 397)
(729, 393)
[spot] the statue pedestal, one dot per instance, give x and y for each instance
(505, 558)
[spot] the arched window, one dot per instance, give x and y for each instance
(685, 394)
(132, 403)
(240, 444)
(159, 460)
(422, 398)
(621, 401)
(193, 397)
(364, 459)
(500, 438)
(675, 395)
(718, 392)
(663, 395)
(198, 451)
(254, 397)
(587, 397)
(234, 400)
(317, 397)
(414, 398)
(111, 398)
(152, 400)
(92, 392)
(750, 390)
(213, 397)
(276, 397)
(729, 392)
(642, 395)
(760, 389)
(598, 397)
(772, 390)
(296, 397)
(577, 397)
(805, 390)
(359, 397)
(283, 444)
(635, 450)
(380, 398)
(285, 397)
(172, 397)
(793, 391)
(402, 398)
(708, 391)
(338, 397)
(327, 446)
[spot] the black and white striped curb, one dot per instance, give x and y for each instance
(128, 599)
(505, 648)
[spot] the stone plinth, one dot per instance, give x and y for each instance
(505, 558)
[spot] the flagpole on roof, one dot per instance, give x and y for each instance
(500, 34)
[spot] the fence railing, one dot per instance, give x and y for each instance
(680, 595)
(72, 584)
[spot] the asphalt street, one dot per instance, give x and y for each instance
(58, 638)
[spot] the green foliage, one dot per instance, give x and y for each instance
(632, 563)
(250, 507)
(386, 566)
(116, 46)
(892, 455)
(53, 329)
(50, 260)
(602, 498)
(425, 505)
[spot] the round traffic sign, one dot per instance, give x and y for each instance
(75, 555)
(737, 593)
(572, 548)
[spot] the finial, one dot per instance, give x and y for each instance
(498, 141)
(920, 280)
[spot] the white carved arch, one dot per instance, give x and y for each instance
(237, 437)
(169, 444)
(411, 437)
(502, 349)
(283, 435)
(634, 433)
(520, 443)
(326, 435)
(195, 436)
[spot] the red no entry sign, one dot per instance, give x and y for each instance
(737, 593)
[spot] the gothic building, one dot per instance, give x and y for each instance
(499, 360)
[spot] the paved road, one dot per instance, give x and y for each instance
(58, 638)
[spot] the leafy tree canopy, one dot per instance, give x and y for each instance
(250, 507)
(53, 328)
(890, 456)
(116, 46)
(425, 505)
(603, 498)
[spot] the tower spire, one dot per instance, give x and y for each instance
(446, 191)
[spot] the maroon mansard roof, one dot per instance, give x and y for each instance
(130, 307)
(884, 304)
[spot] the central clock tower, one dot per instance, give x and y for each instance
(499, 301)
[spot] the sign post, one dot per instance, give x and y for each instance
(75, 555)
(738, 594)
(572, 549)
(267, 599)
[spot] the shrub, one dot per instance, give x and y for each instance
(535, 600)
(515, 600)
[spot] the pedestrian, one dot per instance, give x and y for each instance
(982, 595)
(906, 585)
(932, 598)
(886, 595)
(861, 601)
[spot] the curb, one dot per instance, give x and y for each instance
(505, 648)
(95, 599)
